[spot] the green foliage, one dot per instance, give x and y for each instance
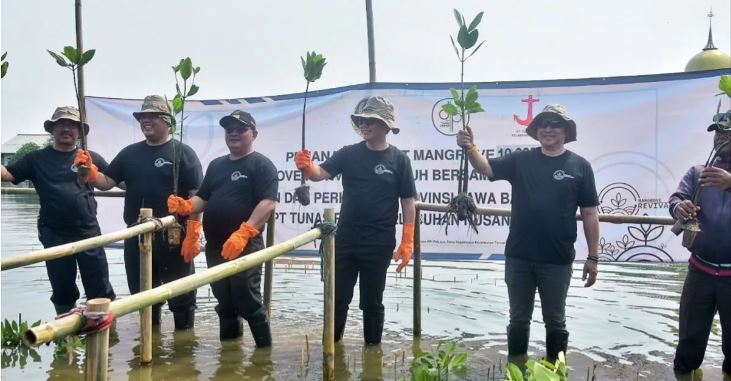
(5, 65)
(467, 37)
(184, 72)
(71, 58)
(22, 151)
(63, 344)
(724, 84)
(436, 365)
(12, 331)
(313, 66)
(540, 371)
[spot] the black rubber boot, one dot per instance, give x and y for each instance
(230, 328)
(63, 308)
(156, 314)
(340, 319)
(556, 341)
(518, 346)
(262, 334)
(184, 319)
(372, 329)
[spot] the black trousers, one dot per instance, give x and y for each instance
(167, 266)
(703, 295)
(92, 265)
(371, 264)
(240, 294)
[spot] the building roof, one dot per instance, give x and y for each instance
(710, 58)
(12, 145)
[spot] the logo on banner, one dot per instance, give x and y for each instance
(159, 162)
(619, 198)
(442, 122)
(529, 117)
(238, 175)
(381, 169)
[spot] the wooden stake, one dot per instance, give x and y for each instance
(145, 243)
(328, 330)
(97, 345)
(269, 267)
(417, 275)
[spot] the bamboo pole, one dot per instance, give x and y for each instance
(68, 325)
(32, 191)
(97, 345)
(78, 246)
(613, 218)
(146, 284)
(269, 267)
(328, 329)
(371, 43)
(417, 274)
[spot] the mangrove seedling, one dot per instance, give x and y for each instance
(5, 65)
(312, 66)
(540, 370)
(184, 72)
(72, 59)
(438, 364)
(463, 105)
(13, 350)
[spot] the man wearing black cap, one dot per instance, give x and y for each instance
(146, 168)
(548, 185)
(707, 287)
(68, 210)
(238, 194)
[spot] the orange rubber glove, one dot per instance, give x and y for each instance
(235, 244)
(83, 157)
(406, 248)
(192, 242)
(179, 205)
(303, 160)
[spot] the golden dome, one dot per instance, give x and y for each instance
(710, 58)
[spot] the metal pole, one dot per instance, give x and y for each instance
(417, 274)
(328, 329)
(371, 43)
(146, 284)
(97, 345)
(269, 267)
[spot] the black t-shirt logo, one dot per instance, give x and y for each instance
(560, 175)
(159, 162)
(238, 175)
(74, 169)
(381, 169)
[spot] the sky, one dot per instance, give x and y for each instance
(252, 48)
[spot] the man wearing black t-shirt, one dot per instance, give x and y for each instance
(146, 168)
(376, 175)
(548, 185)
(68, 210)
(238, 195)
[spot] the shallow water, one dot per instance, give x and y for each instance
(627, 320)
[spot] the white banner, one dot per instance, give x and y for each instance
(640, 134)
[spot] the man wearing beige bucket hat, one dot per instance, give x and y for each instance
(146, 168)
(376, 176)
(68, 210)
(548, 185)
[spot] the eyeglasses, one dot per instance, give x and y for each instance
(237, 129)
(368, 122)
(551, 124)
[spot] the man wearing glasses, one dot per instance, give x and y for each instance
(146, 168)
(376, 176)
(548, 185)
(237, 196)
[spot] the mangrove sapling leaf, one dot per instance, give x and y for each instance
(87, 56)
(312, 65)
(193, 90)
(71, 53)
(59, 59)
(467, 36)
(186, 68)
(4, 65)
(724, 84)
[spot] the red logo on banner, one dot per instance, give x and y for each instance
(529, 118)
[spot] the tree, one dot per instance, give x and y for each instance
(24, 150)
